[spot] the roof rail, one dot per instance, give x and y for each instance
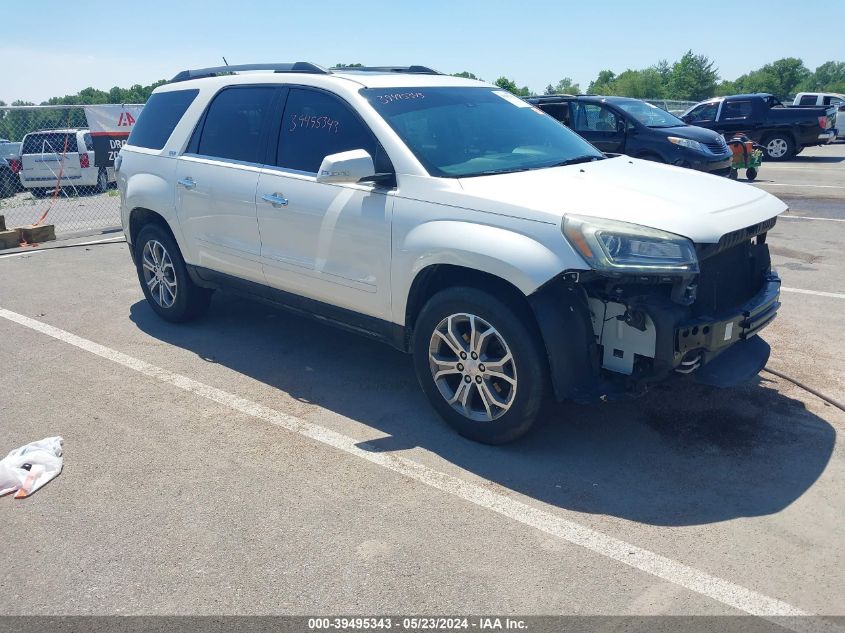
(296, 67)
(413, 70)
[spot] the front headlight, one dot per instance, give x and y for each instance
(621, 247)
(686, 142)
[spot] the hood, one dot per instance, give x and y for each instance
(700, 134)
(699, 206)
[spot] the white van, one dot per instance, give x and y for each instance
(65, 157)
(825, 99)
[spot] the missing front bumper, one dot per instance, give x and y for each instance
(702, 340)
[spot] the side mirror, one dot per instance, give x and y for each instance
(686, 118)
(621, 125)
(348, 167)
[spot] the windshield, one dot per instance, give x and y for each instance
(649, 115)
(463, 132)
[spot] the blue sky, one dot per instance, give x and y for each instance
(59, 47)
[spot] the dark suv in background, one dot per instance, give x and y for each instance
(622, 125)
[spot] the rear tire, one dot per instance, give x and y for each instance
(779, 147)
(7, 184)
(733, 174)
(102, 181)
(750, 174)
(472, 349)
(164, 277)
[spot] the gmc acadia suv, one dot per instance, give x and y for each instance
(453, 221)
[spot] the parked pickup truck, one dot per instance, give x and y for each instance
(804, 99)
(782, 131)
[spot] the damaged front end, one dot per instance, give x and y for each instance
(628, 328)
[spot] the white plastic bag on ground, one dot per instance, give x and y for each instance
(28, 468)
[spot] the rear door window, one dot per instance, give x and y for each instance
(159, 117)
(591, 117)
(316, 124)
(49, 143)
(235, 124)
(736, 110)
(559, 111)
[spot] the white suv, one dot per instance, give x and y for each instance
(62, 157)
(453, 221)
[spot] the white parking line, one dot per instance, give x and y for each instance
(804, 217)
(818, 293)
(719, 589)
(35, 251)
(786, 184)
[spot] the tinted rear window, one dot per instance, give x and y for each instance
(159, 117)
(49, 143)
(234, 122)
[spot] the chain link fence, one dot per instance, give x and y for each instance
(49, 173)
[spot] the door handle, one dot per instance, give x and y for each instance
(187, 183)
(276, 199)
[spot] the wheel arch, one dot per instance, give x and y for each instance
(139, 217)
(787, 132)
(436, 277)
(477, 253)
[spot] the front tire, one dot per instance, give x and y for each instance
(480, 365)
(164, 277)
(750, 174)
(779, 147)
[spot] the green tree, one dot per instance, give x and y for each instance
(510, 86)
(694, 77)
(603, 84)
(829, 77)
(564, 86)
(465, 74)
(782, 78)
(726, 87)
(664, 69)
(642, 84)
(789, 73)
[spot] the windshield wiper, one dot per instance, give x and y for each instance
(492, 172)
(586, 158)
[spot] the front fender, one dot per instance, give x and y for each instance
(525, 262)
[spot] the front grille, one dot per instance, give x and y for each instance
(731, 277)
(718, 146)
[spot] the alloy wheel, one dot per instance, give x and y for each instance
(472, 367)
(777, 148)
(159, 273)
